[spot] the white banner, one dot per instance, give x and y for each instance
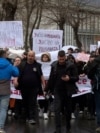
(47, 40)
(93, 47)
(11, 34)
(84, 87)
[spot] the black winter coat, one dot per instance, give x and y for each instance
(94, 73)
(55, 83)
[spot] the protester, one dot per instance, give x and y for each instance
(90, 96)
(94, 75)
(6, 72)
(45, 58)
(70, 51)
(75, 101)
(17, 109)
(30, 80)
(11, 109)
(62, 84)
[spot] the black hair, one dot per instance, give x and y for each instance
(71, 58)
(2, 53)
(61, 53)
(25, 53)
(71, 49)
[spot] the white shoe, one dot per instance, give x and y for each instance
(73, 116)
(2, 131)
(9, 112)
(98, 130)
(45, 115)
(80, 112)
(32, 121)
(13, 114)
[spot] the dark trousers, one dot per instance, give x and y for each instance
(18, 108)
(44, 105)
(91, 104)
(61, 99)
(97, 102)
(29, 97)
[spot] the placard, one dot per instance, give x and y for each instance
(47, 40)
(11, 34)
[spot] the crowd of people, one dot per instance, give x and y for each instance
(28, 77)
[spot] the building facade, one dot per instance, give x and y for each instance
(89, 31)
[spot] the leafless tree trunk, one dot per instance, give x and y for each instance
(37, 21)
(78, 42)
(58, 9)
(32, 6)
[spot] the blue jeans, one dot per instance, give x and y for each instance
(97, 102)
(4, 102)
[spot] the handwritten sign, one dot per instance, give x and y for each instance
(11, 34)
(83, 57)
(47, 40)
(84, 87)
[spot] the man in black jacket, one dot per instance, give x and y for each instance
(30, 80)
(94, 75)
(62, 83)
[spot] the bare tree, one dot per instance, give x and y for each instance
(70, 12)
(33, 19)
(37, 20)
(57, 10)
(77, 13)
(9, 8)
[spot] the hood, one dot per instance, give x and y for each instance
(4, 63)
(48, 55)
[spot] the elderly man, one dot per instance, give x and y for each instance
(30, 81)
(6, 72)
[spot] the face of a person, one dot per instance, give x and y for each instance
(69, 51)
(31, 57)
(45, 58)
(61, 60)
(18, 61)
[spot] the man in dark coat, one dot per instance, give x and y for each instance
(94, 75)
(30, 80)
(62, 83)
